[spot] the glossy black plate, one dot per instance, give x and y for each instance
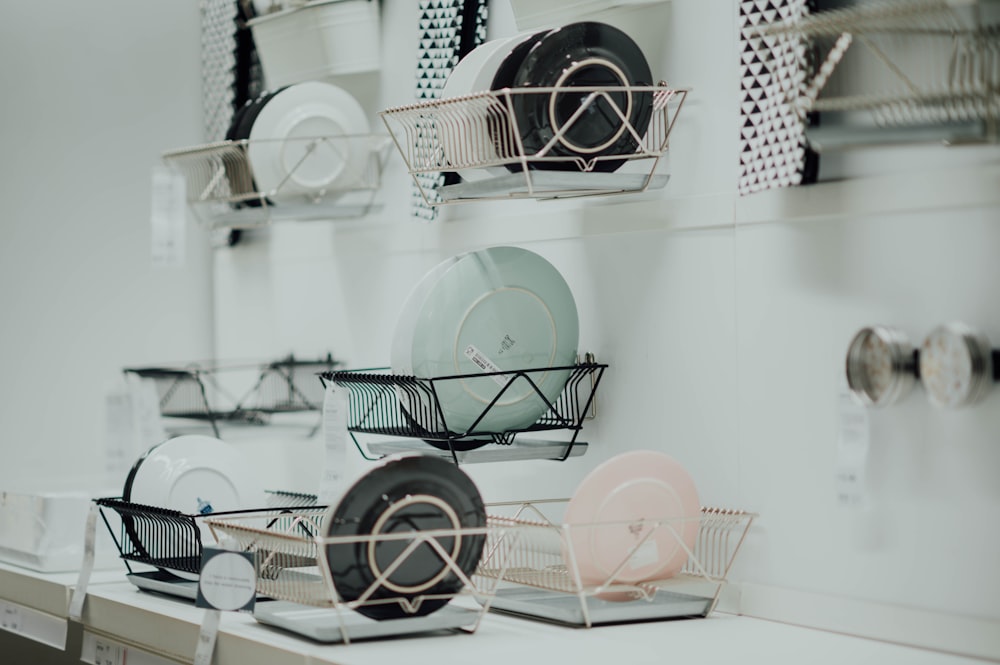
(586, 54)
(405, 493)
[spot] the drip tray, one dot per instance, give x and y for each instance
(322, 624)
(568, 609)
(163, 582)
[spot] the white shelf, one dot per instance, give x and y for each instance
(156, 630)
(169, 628)
(916, 191)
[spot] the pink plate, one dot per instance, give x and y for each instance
(632, 512)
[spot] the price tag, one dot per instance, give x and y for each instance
(148, 426)
(86, 566)
(109, 653)
(206, 637)
(853, 438)
(119, 437)
(10, 617)
(168, 217)
(227, 581)
(336, 403)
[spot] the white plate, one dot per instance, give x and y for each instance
(474, 73)
(402, 338)
(631, 515)
(501, 308)
(287, 162)
(194, 475)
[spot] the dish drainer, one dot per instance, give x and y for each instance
(203, 392)
(481, 133)
(941, 55)
(292, 568)
(537, 560)
(382, 404)
(169, 540)
(223, 193)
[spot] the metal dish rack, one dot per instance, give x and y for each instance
(943, 57)
(222, 191)
(535, 556)
(169, 540)
(292, 568)
(196, 392)
(383, 404)
(481, 131)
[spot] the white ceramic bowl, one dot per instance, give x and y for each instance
(497, 309)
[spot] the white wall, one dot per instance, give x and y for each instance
(724, 322)
(92, 95)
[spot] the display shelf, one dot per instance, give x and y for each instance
(517, 451)
(911, 192)
(484, 137)
(204, 392)
(952, 98)
(540, 558)
(383, 404)
(161, 626)
(223, 192)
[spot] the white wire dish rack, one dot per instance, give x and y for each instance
(539, 562)
(925, 71)
(224, 191)
(489, 139)
(292, 560)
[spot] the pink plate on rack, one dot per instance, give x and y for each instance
(637, 514)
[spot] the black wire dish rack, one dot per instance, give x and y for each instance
(172, 542)
(207, 395)
(383, 404)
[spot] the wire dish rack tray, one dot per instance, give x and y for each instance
(481, 136)
(538, 558)
(223, 192)
(237, 393)
(938, 59)
(172, 541)
(394, 405)
(292, 565)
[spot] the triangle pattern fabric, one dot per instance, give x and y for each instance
(442, 25)
(773, 75)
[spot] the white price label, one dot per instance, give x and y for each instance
(10, 618)
(168, 217)
(86, 567)
(483, 362)
(336, 403)
(206, 637)
(109, 653)
(853, 439)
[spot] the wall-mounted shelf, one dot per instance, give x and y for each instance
(224, 191)
(488, 139)
(950, 95)
(381, 404)
(204, 392)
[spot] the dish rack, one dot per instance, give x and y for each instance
(482, 132)
(940, 56)
(205, 392)
(169, 540)
(380, 404)
(292, 568)
(536, 558)
(222, 192)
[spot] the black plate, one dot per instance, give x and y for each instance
(405, 493)
(558, 59)
(458, 445)
(239, 128)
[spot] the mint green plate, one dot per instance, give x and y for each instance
(497, 309)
